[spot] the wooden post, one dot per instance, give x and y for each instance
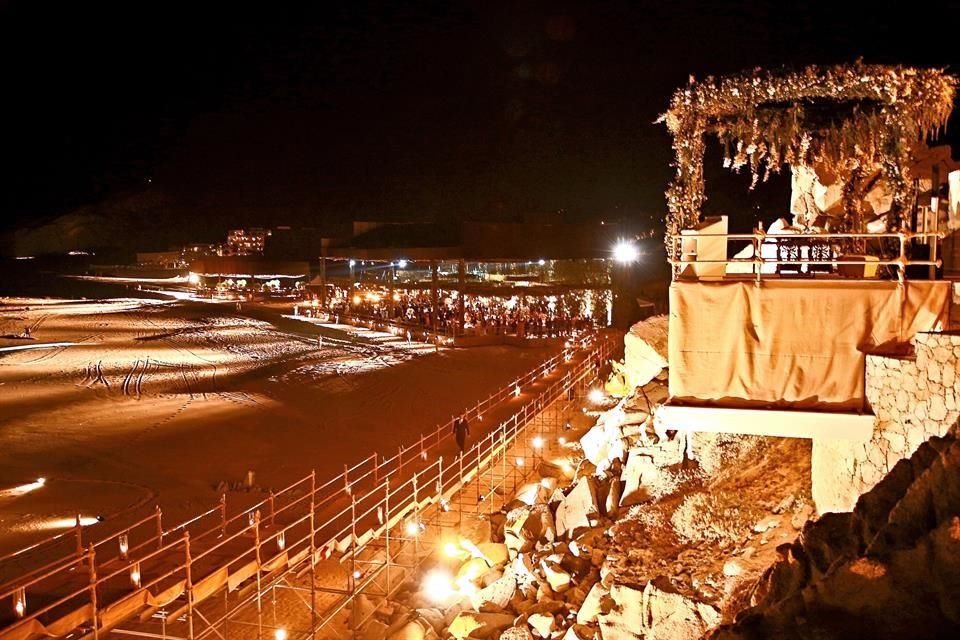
(93, 591)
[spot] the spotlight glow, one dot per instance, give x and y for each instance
(280, 634)
(625, 252)
(438, 586)
(596, 396)
(23, 488)
(537, 442)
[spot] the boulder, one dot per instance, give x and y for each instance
(645, 351)
(495, 553)
(433, 617)
(499, 593)
(517, 633)
(556, 576)
(580, 632)
(472, 570)
(374, 630)
(625, 620)
(598, 601)
(412, 630)
(604, 443)
(578, 510)
(638, 467)
(670, 615)
(473, 624)
(542, 624)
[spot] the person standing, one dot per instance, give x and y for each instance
(461, 429)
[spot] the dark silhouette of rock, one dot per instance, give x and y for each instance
(889, 569)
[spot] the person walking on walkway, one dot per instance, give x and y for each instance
(460, 431)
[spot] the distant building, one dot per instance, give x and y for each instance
(161, 259)
(246, 242)
(202, 250)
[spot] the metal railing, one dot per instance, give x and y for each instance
(758, 239)
(132, 573)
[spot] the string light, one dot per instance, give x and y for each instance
(537, 442)
(280, 634)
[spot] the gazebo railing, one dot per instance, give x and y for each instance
(761, 265)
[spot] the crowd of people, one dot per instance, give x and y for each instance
(537, 318)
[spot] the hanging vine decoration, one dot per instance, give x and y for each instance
(842, 117)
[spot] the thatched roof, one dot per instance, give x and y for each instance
(847, 116)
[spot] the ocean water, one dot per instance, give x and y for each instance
(45, 278)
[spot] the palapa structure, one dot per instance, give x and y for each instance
(846, 117)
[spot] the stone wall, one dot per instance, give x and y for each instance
(913, 398)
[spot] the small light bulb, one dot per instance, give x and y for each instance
(537, 442)
(280, 634)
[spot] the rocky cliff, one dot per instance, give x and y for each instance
(888, 569)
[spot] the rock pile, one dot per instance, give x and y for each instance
(545, 569)
(888, 569)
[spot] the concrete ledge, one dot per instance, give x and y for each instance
(766, 422)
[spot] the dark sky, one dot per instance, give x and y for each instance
(402, 109)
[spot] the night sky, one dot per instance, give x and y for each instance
(403, 110)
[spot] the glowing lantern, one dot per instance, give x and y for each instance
(124, 545)
(281, 540)
(135, 574)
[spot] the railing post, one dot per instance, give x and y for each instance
(271, 500)
(159, 527)
(346, 480)
(386, 530)
(400, 461)
(376, 468)
(79, 532)
(93, 591)
(313, 554)
(353, 567)
(416, 519)
(223, 514)
(256, 546)
(188, 584)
